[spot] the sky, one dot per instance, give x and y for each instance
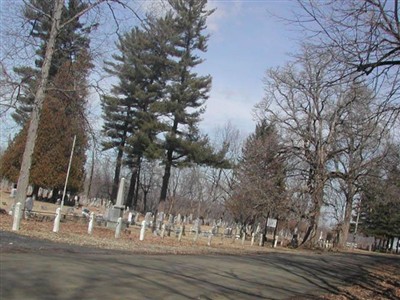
(246, 38)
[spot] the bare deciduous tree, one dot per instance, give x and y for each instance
(362, 137)
(306, 105)
(363, 35)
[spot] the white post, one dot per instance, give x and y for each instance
(181, 233)
(209, 240)
(142, 231)
(252, 238)
(276, 241)
(162, 230)
(56, 226)
(243, 238)
(91, 222)
(118, 228)
(17, 217)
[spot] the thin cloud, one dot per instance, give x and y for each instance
(224, 10)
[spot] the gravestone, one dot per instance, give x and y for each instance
(116, 211)
(130, 218)
(170, 219)
(148, 219)
(136, 218)
(29, 203)
(228, 231)
(214, 230)
(160, 220)
(13, 192)
(196, 226)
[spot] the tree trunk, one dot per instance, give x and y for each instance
(264, 231)
(90, 176)
(167, 175)
(23, 180)
(145, 201)
(311, 233)
(131, 192)
(136, 196)
(344, 230)
(275, 230)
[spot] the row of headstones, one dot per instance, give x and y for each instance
(164, 228)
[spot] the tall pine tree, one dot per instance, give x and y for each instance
(71, 41)
(186, 90)
(131, 123)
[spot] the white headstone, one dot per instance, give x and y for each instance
(29, 203)
(130, 217)
(271, 222)
(13, 192)
(148, 218)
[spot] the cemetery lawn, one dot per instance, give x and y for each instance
(382, 283)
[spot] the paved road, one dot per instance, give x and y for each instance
(32, 269)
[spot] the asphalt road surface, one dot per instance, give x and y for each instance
(34, 269)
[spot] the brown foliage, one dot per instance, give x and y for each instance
(63, 116)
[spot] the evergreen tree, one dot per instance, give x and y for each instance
(186, 90)
(260, 177)
(380, 205)
(63, 117)
(63, 114)
(71, 41)
(131, 124)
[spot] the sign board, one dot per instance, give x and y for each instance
(271, 222)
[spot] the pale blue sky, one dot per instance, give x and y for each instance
(247, 38)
